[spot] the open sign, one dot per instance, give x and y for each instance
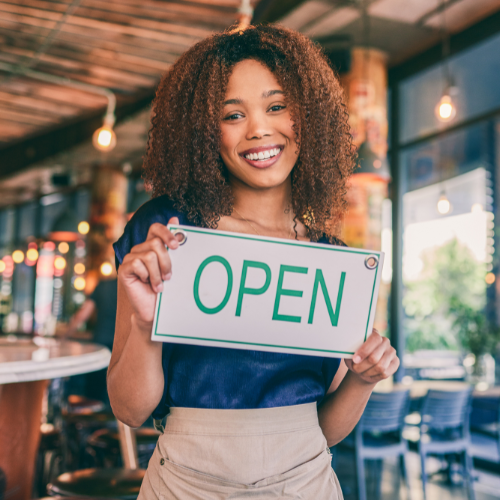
(250, 292)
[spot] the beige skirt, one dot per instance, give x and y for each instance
(232, 454)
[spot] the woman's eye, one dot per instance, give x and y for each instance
(277, 107)
(232, 117)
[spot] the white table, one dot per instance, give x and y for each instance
(26, 366)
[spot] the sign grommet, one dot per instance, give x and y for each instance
(175, 232)
(371, 262)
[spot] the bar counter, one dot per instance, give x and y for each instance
(26, 366)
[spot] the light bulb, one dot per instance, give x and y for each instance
(79, 268)
(60, 263)
(445, 109)
(63, 247)
(443, 205)
(104, 138)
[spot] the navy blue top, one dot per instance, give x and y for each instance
(226, 378)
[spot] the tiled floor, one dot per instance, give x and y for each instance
(486, 486)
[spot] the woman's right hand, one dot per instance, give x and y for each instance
(144, 269)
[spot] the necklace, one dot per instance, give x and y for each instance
(253, 227)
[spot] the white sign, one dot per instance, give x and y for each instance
(267, 294)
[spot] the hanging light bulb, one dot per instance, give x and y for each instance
(104, 138)
(445, 108)
(443, 204)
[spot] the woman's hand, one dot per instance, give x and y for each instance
(375, 360)
(144, 269)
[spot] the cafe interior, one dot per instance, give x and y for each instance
(422, 83)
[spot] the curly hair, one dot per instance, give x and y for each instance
(183, 160)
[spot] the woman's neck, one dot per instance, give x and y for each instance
(268, 208)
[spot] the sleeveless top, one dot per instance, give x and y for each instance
(226, 378)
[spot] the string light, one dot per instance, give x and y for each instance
(106, 268)
(83, 227)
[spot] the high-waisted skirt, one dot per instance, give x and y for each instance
(232, 454)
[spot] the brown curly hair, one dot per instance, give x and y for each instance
(183, 160)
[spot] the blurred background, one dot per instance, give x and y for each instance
(422, 80)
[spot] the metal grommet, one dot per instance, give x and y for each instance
(162, 461)
(371, 262)
(181, 232)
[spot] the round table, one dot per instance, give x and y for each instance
(26, 366)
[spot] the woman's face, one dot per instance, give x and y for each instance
(258, 143)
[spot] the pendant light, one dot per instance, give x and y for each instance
(443, 204)
(445, 109)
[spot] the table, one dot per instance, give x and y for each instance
(26, 366)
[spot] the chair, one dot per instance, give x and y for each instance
(378, 434)
(121, 484)
(444, 429)
(485, 427)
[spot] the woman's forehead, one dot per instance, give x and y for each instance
(252, 78)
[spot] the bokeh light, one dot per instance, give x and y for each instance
(2, 266)
(18, 256)
(79, 268)
(79, 283)
(490, 279)
(32, 254)
(63, 247)
(106, 268)
(83, 227)
(60, 263)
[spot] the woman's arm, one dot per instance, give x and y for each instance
(343, 406)
(135, 373)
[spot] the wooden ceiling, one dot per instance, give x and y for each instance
(122, 45)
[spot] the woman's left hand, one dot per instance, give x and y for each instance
(375, 360)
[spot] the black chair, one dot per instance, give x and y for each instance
(444, 430)
(104, 444)
(485, 427)
(379, 434)
(122, 484)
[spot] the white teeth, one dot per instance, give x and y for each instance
(263, 155)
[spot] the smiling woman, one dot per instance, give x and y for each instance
(249, 135)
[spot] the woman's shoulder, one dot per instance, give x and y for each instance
(157, 210)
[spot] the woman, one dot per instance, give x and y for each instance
(249, 135)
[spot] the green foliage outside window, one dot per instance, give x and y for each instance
(451, 285)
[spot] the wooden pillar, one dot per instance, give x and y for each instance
(365, 87)
(107, 218)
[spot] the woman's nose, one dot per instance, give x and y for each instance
(258, 126)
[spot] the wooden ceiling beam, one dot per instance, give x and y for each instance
(92, 54)
(270, 11)
(48, 142)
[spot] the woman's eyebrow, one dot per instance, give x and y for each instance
(265, 95)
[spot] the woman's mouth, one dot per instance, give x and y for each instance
(262, 157)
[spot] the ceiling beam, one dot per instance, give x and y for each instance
(16, 156)
(270, 11)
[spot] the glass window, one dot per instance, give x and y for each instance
(476, 75)
(448, 233)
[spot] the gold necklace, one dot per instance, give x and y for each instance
(253, 227)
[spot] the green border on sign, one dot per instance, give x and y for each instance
(318, 247)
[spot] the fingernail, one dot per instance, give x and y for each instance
(159, 288)
(356, 359)
(167, 276)
(174, 244)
